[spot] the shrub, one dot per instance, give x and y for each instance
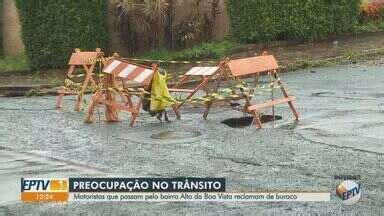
(52, 29)
(267, 20)
(372, 11)
(17, 63)
(212, 50)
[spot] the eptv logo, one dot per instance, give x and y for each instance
(349, 192)
(44, 190)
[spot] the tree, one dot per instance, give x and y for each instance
(147, 16)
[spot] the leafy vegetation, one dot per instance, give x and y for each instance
(14, 63)
(52, 29)
(369, 26)
(371, 17)
(268, 20)
(143, 20)
(150, 24)
(213, 50)
(372, 11)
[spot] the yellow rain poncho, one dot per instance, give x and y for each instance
(160, 96)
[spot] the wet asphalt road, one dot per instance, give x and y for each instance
(341, 132)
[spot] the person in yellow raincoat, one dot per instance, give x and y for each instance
(160, 98)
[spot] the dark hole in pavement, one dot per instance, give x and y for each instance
(176, 135)
(247, 121)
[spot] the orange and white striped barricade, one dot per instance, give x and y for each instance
(123, 82)
(255, 67)
(204, 75)
(87, 61)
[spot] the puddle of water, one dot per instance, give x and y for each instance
(176, 135)
(247, 121)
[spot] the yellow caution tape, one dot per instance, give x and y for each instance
(170, 61)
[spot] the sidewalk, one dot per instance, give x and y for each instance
(348, 47)
(290, 57)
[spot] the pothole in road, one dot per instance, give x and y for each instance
(247, 121)
(176, 135)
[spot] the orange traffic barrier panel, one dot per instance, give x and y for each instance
(255, 67)
(86, 61)
(204, 75)
(123, 89)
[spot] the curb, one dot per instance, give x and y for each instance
(27, 90)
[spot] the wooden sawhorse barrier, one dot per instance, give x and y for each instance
(123, 82)
(86, 61)
(256, 66)
(205, 74)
